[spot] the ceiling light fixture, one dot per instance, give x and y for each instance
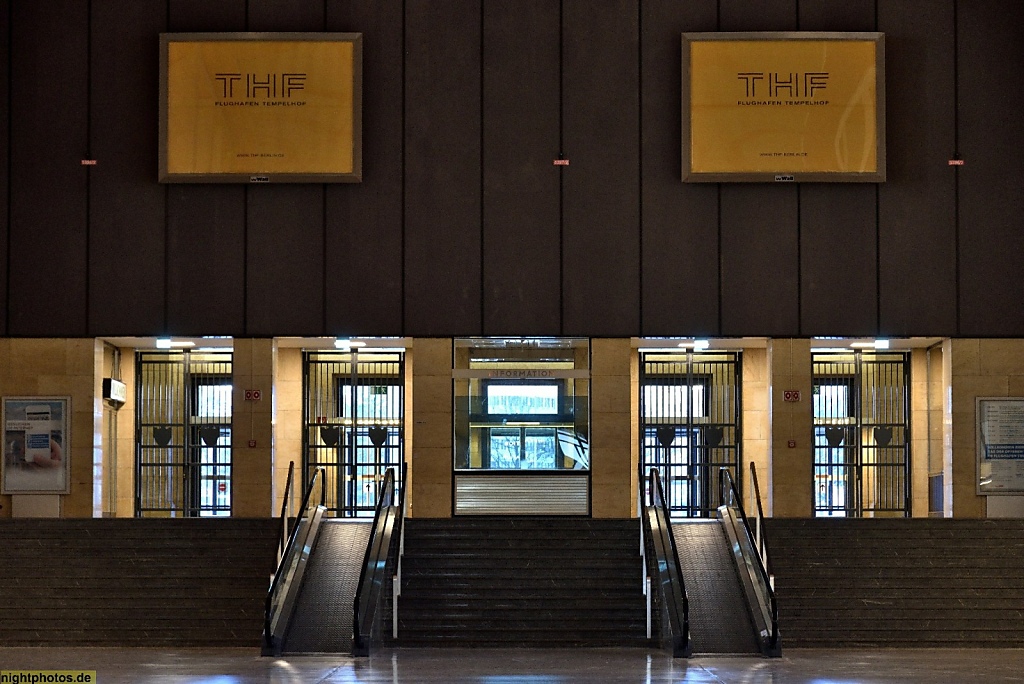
(168, 343)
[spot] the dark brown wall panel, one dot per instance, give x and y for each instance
(680, 220)
(601, 190)
(285, 260)
(206, 223)
(916, 218)
(364, 220)
(838, 260)
(990, 100)
(206, 260)
(521, 203)
(203, 15)
(829, 15)
(126, 205)
(838, 249)
(285, 223)
(5, 151)
(757, 15)
(286, 15)
(442, 173)
(49, 139)
(760, 222)
(759, 260)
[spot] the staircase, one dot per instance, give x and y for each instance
(899, 582)
(134, 582)
(522, 581)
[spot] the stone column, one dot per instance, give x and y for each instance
(792, 430)
(252, 429)
(430, 465)
(756, 428)
(613, 446)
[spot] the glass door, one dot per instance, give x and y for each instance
(690, 425)
(861, 434)
(183, 452)
(353, 414)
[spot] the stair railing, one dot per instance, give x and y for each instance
(286, 513)
(284, 588)
(766, 612)
(663, 563)
(760, 542)
(383, 552)
(645, 572)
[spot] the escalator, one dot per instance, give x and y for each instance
(714, 589)
(322, 621)
(719, 616)
(325, 594)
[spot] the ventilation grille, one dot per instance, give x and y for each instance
(556, 494)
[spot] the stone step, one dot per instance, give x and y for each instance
(135, 582)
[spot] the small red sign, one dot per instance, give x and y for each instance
(561, 162)
(88, 162)
(956, 162)
(791, 395)
(253, 395)
(222, 486)
(791, 444)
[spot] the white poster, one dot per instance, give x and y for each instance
(1000, 430)
(36, 447)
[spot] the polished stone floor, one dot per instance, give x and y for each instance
(527, 666)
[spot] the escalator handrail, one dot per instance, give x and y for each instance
(728, 485)
(275, 585)
(673, 587)
(759, 536)
(387, 527)
(282, 537)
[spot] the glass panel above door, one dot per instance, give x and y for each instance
(522, 404)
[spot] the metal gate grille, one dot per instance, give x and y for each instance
(353, 415)
(690, 425)
(183, 434)
(861, 434)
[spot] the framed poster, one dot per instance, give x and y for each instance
(1000, 436)
(783, 107)
(260, 107)
(36, 445)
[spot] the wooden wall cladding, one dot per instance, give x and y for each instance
(127, 210)
(917, 255)
(5, 156)
(838, 250)
(463, 225)
(48, 255)
(364, 241)
(991, 137)
(206, 231)
(442, 167)
(521, 185)
(601, 189)
(680, 228)
(285, 253)
(760, 229)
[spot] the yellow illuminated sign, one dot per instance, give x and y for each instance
(256, 108)
(783, 107)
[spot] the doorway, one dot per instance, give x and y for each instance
(861, 406)
(353, 415)
(690, 425)
(183, 456)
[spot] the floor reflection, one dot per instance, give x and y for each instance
(524, 666)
